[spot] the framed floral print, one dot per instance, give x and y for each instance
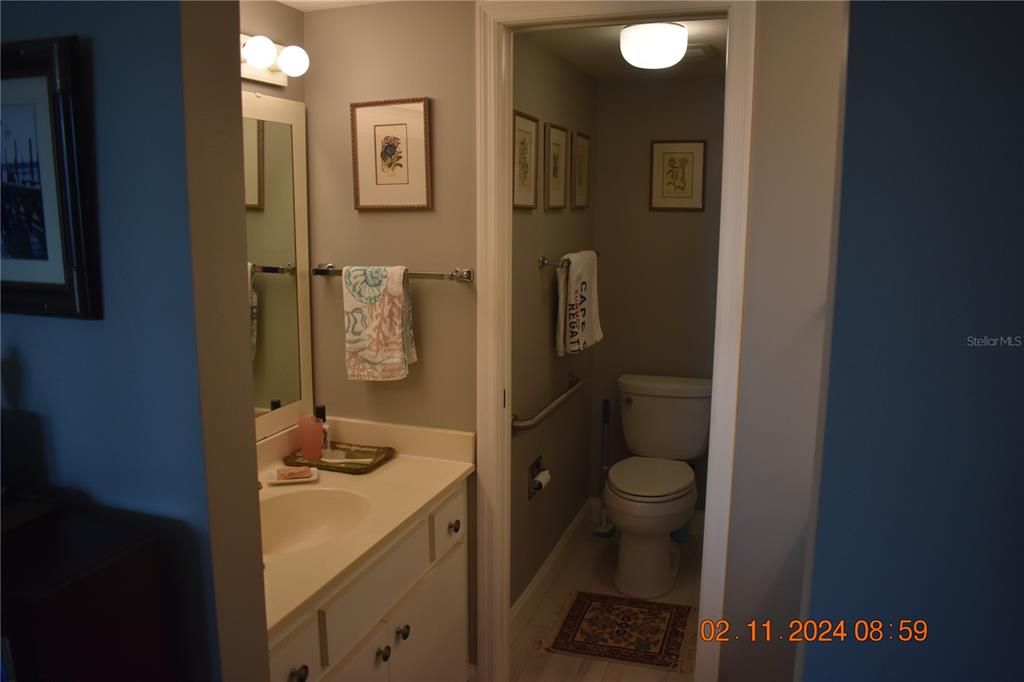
(580, 170)
(556, 165)
(677, 175)
(525, 131)
(391, 154)
(49, 242)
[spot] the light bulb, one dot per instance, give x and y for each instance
(259, 52)
(293, 60)
(653, 46)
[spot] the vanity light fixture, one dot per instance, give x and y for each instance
(265, 61)
(653, 46)
(293, 60)
(259, 52)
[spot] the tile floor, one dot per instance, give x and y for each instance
(590, 568)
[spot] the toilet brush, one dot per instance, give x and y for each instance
(606, 529)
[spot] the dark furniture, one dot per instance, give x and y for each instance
(85, 596)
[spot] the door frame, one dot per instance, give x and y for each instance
(495, 24)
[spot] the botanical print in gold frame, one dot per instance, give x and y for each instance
(391, 154)
(580, 170)
(556, 165)
(525, 132)
(677, 175)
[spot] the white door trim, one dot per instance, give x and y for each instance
(495, 23)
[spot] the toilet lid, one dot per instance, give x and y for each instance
(651, 476)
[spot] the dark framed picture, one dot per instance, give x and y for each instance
(391, 154)
(525, 134)
(48, 245)
(677, 175)
(580, 170)
(253, 163)
(556, 166)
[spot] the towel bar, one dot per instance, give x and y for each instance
(456, 275)
(575, 384)
(544, 261)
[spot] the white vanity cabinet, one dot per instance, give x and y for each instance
(425, 637)
(403, 617)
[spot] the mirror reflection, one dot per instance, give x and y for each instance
(270, 239)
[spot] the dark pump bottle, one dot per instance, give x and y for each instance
(320, 413)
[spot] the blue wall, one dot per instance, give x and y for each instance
(118, 398)
(921, 477)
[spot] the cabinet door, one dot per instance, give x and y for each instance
(436, 613)
(366, 662)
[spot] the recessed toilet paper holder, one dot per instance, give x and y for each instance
(533, 486)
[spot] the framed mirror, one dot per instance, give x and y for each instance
(277, 246)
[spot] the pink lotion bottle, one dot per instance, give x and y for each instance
(311, 438)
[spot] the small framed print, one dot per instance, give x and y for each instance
(525, 132)
(391, 154)
(677, 175)
(580, 170)
(49, 241)
(556, 165)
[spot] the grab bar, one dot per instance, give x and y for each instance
(575, 384)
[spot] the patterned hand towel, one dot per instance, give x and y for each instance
(253, 310)
(579, 324)
(378, 323)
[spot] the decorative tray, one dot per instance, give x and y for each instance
(346, 458)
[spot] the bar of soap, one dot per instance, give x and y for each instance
(293, 473)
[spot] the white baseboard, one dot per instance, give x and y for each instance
(531, 597)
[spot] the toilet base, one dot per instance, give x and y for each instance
(647, 565)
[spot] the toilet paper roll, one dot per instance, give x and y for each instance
(541, 480)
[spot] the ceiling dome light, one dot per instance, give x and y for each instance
(293, 60)
(653, 46)
(259, 52)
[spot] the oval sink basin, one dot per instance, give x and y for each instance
(309, 518)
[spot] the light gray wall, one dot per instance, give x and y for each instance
(283, 25)
(553, 91)
(427, 50)
(658, 268)
(799, 70)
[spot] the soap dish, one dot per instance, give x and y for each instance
(289, 481)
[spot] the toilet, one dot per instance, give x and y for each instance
(652, 492)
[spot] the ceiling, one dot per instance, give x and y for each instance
(314, 5)
(595, 51)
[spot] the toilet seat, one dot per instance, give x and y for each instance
(650, 479)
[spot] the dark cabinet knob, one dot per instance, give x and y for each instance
(300, 674)
(404, 631)
(384, 655)
(454, 526)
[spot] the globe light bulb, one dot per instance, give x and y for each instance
(293, 60)
(653, 46)
(259, 52)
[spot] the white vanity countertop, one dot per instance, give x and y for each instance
(397, 491)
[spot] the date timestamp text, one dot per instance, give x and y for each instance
(810, 630)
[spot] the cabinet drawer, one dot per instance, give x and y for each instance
(366, 663)
(355, 611)
(448, 525)
(301, 647)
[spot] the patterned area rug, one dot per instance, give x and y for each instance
(627, 630)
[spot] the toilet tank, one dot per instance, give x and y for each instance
(666, 417)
